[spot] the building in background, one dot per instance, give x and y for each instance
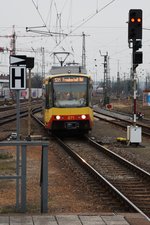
(6, 93)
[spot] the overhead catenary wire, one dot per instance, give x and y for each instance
(36, 6)
(44, 24)
(91, 16)
(49, 13)
(82, 23)
(70, 15)
(65, 1)
(85, 21)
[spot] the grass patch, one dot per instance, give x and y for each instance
(8, 209)
(7, 166)
(6, 155)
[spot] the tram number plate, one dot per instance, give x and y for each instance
(70, 117)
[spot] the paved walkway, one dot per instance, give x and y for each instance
(70, 220)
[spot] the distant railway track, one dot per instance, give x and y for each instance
(10, 114)
(122, 122)
(11, 106)
(126, 181)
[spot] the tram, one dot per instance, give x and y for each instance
(67, 101)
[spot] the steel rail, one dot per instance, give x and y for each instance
(144, 126)
(123, 160)
(12, 117)
(99, 176)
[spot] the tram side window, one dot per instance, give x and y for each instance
(48, 97)
(90, 93)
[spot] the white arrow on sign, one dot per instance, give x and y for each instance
(16, 60)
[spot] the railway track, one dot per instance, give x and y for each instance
(128, 184)
(126, 181)
(10, 114)
(122, 120)
(4, 107)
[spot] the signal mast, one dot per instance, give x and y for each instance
(135, 43)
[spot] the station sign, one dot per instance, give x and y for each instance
(18, 65)
(17, 79)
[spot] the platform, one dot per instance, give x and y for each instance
(128, 219)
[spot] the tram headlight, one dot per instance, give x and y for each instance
(57, 117)
(83, 117)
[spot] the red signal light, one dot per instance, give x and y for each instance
(132, 20)
(139, 20)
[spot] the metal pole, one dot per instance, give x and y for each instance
(106, 78)
(134, 104)
(29, 106)
(23, 180)
(17, 147)
(83, 52)
(44, 179)
(134, 85)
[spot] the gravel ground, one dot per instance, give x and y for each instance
(107, 134)
(65, 195)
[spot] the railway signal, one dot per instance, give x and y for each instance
(135, 42)
(135, 36)
(137, 58)
(135, 24)
(137, 55)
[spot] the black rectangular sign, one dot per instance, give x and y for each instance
(17, 60)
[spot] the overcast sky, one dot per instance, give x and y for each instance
(103, 21)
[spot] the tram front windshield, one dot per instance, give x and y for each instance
(70, 91)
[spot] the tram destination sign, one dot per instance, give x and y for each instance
(69, 79)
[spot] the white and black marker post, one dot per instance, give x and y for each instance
(17, 81)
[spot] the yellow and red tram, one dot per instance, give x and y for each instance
(68, 103)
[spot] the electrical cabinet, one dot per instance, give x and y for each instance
(134, 134)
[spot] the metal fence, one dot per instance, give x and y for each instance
(22, 146)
